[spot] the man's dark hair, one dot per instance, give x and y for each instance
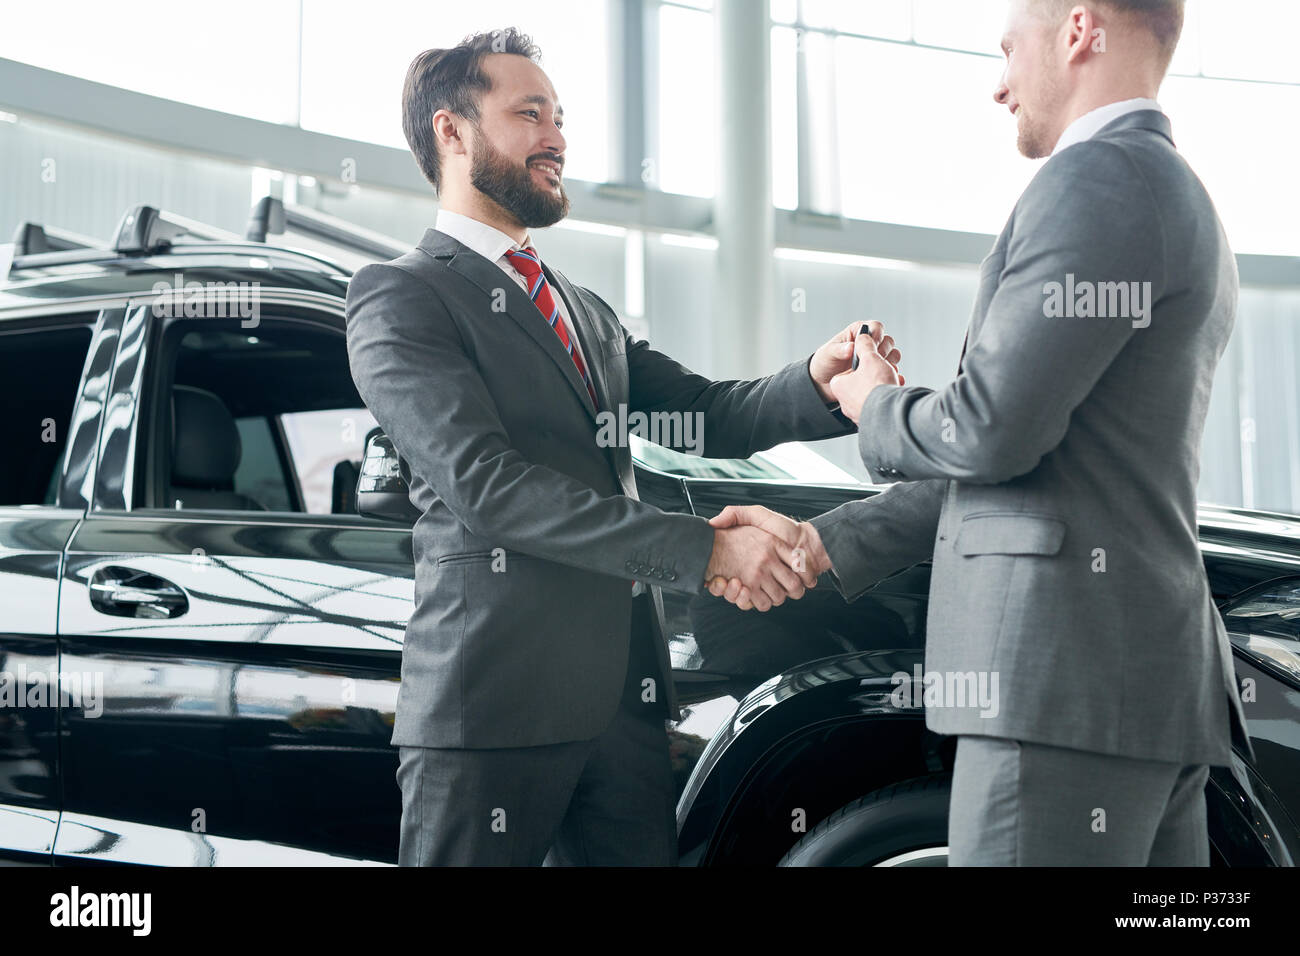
(451, 79)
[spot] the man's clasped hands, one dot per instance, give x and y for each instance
(760, 557)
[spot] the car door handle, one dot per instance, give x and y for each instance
(126, 592)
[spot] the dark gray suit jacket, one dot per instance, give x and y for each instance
(1054, 480)
(496, 436)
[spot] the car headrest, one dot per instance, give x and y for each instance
(205, 441)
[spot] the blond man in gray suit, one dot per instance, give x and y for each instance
(1053, 481)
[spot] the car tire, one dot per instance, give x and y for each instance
(904, 824)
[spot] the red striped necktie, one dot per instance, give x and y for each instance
(539, 290)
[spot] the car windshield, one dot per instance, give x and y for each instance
(793, 461)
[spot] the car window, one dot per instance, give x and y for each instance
(262, 420)
(260, 473)
(325, 448)
(40, 373)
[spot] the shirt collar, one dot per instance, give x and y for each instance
(1090, 124)
(489, 242)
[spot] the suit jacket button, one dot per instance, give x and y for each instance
(672, 575)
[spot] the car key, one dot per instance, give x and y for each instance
(861, 331)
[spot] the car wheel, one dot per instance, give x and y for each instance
(904, 824)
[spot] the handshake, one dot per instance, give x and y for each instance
(760, 557)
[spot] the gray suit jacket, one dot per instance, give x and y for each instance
(496, 436)
(1054, 480)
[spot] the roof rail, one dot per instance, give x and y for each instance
(31, 237)
(266, 217)
(145, 230)
(272, 216)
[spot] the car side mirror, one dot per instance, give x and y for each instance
(382, 492)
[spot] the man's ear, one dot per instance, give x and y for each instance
(1083, 35)
(446, 129)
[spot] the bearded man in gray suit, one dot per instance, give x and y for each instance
(1053, 481)
(535, 673)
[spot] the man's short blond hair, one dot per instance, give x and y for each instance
(1163, 18)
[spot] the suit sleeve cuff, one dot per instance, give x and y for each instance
(832, 408)
(874, 428)
(848, 572)
(697, 549)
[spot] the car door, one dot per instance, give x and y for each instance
(249, 648)
(1264, 627)
(51, 380)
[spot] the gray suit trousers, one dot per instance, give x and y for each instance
(1017, 803)
(608, 801)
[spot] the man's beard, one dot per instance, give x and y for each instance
(1034, 139)
(1031, 139)
(512, 188)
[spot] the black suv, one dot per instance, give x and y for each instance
(205, 573)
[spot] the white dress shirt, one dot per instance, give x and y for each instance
(1090, 124)
(493, 244)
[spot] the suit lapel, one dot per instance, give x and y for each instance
(593, 352)
(990, 273)
(585, 327)
(488, 277)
